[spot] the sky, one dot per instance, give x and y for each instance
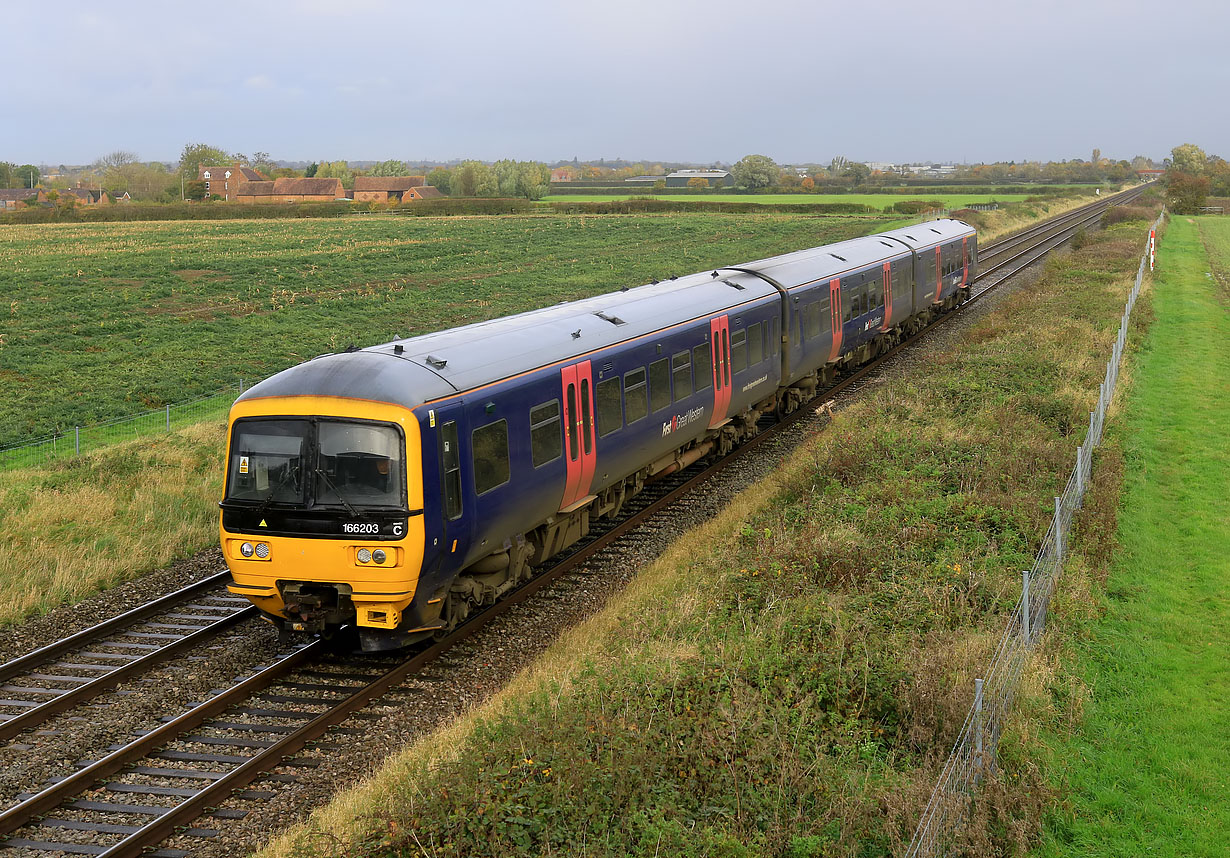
(659, 80)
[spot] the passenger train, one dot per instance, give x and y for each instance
(393, 489)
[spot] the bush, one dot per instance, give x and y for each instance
(1119, 214)
(913, 207)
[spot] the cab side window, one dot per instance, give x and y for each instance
(450, 467)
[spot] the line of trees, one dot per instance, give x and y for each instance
(1192, 176)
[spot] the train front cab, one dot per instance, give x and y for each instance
(322, 521)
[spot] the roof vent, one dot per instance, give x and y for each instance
(576, 335)
(614, 320)
(398, 349)
(835, 256)
(437, 362)
(936, 231)
(885, 243)
(733, 285)
(911, 238)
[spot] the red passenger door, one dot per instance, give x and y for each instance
(835, 305)
(719, 338)
(580, 454)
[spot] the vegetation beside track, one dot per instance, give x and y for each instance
(1135, 703)
(789, 679)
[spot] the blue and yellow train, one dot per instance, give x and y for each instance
(393, 489)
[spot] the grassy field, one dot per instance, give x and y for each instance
(104, 320)
(788, 680)
(1145, 770)
(878, 201)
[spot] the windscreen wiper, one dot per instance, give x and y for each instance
(349, 508)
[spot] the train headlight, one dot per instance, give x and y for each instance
(246, 549)
(262, 550)
(365, 556)
(378, 555)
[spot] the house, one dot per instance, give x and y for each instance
(562, 174)
(383, 189)
(715, 178)
(224, 181)
(92, 196)
(16, 198)
(287, 190)
(423, 192)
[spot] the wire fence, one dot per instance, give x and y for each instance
(82, 439)
(973, 756)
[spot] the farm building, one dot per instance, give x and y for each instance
(423, 192)
(287, 190)
(15, 198)
(224, 181)
(715, 178)
(382, 189)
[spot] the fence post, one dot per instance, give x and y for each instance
(1025, 606)
(1060, 536)
(168, 417)
(78, 431)
(978, 720)
(1080, 473)
(241, 387)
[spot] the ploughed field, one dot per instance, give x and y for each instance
(104, 320)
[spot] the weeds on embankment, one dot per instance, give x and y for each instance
(788, 680)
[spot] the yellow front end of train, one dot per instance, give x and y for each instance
(321, 522)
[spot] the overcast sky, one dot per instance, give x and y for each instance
(678, 80)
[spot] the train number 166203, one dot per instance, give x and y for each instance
(360, 527)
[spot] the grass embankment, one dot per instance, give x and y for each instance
(107, 317)
(1145, 767)
(105, 320)
(788, 680)
(877, 201)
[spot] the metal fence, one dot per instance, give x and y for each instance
(974, 754)
(82, 439)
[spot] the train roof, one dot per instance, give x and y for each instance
(433, 366)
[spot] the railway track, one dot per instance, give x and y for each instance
(173, 781)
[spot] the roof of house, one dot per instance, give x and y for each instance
(18, 193)
(89, 194)
(428, 192)
(244, 173)
(309, 187)
(256, 189)
(387, 183)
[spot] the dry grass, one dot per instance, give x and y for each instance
(77, 526)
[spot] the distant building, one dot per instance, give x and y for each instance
(644, 180)
(715, 178)
(383, 189)
(287, 190)
(562, 174)
(880, 166)
(16, 198)
(422, 192)
(224, 181)
(88, 196)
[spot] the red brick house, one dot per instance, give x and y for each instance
(224, 181)
(425, 192)
(15, 198)
(383, 189)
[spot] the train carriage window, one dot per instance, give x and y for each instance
(755, 343)
(681, 371)
(636, 402)
(659, 384)
(587, 419)
(811, 320)
(450, 466)
(738, 351)
(702, 359)
(609, 406)
(490, 446)
(851, 305)
(546, 443)
(571, 423)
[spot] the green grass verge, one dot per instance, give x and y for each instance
(789, 680)
(99, 321)
(1146, 769)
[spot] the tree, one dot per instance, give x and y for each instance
(389, 168)
(1185, 193)
(194, 190)
(755, 171)
(262, 163)
(8, 174)
(1188, 158)
(696, 183)
(857, 172)
(118, 158)
(441, 179)
(809, 184)
(197, 154)
(26, 176)
(838, 165)
(310, 171)
(474, 179)
(336, 170)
